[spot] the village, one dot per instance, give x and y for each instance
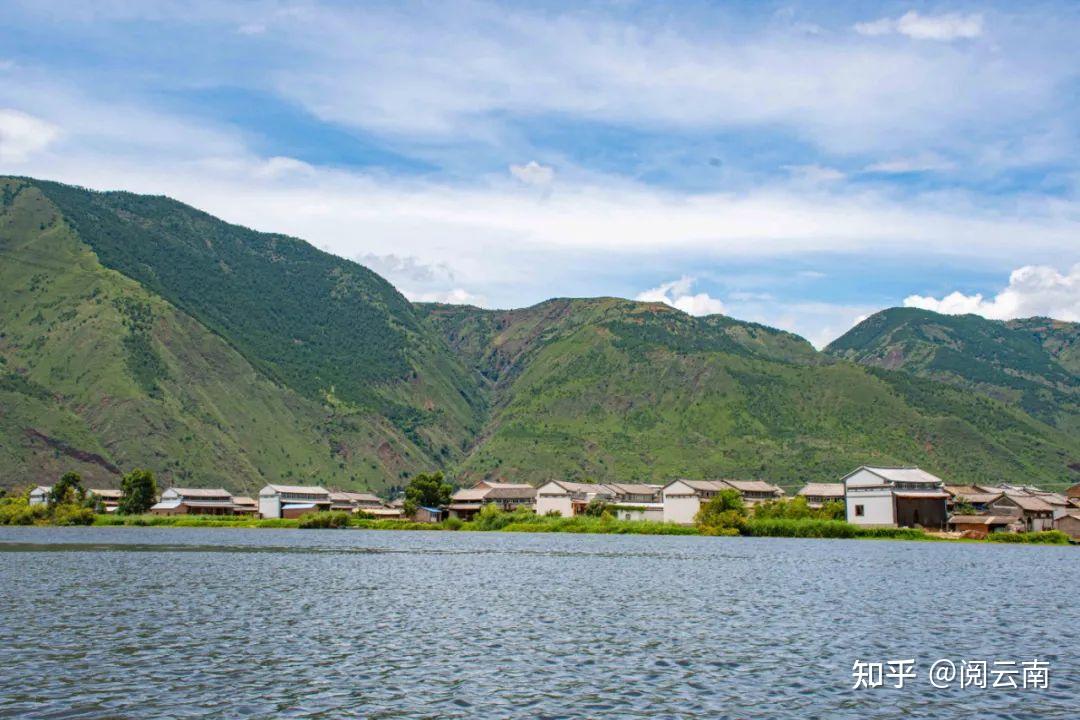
(895, 497)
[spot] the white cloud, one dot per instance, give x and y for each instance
(677, 294)
(462, 70)
(277, 167)
(533, 173)
(456, 296)
(407, 268)
(950, 26)
(814, 174)
(923, 162)
(23, 135)
(1033, 290)
(251, 29)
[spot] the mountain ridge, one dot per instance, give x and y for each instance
(139, 330)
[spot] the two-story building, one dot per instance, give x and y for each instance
(896, 497)
(109, 499)
(290, 501)
(683, 498)
(569, 498)
(1034, 513)
(465, 503)
(194, 501)
(817, 494)
(354, 501)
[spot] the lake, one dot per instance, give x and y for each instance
(214, 623)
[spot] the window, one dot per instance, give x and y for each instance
(860, 511)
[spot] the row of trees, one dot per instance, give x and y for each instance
(71, 504)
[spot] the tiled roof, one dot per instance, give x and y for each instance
(823, 490)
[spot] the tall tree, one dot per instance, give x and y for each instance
(138, 492)
(427, 490)
(68, 489)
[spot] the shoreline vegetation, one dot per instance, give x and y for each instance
(525, 522)
(725, 514)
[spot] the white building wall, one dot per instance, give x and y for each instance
(269, 506)
(655, 514)
(559, 503)
(681, 504)
(877, 507)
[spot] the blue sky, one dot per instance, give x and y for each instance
(798, 164)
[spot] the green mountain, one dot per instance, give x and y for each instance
(612, 389)
(138, 331)
(1032, 364)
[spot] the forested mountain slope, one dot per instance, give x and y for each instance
(138, 331)
(613, 389)
(1032, 364)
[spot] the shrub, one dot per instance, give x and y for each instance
(17, 510)
(69, 514)
(453, 524)
(322, 519)
(724, 511)
(805, 527)
(1043, 537)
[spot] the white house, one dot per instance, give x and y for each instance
(683, 498)
(40, 495)
(903, 496)
(285, 501)
(569, 498)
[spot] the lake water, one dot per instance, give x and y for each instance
(221, 623)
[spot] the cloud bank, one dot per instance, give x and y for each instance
(677, 294)
(1033, 290)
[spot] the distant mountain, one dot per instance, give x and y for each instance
(138, 331)
(612, 389)
(1031, 364)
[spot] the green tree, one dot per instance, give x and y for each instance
(723, 514)
(427, 490)
(138, 492)
(68, 489)
(834, 510)
(595, 508)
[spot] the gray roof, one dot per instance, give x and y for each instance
(740, 485)
(633, 488)
(978, 498)
(823, 490)
(356, 497)
(507, 491)
(903, 474)
(581, 487)
(299, 489)
(202, 492)
(705, 485)
(1030, 503)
